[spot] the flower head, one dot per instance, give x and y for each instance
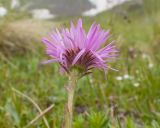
(74, 48)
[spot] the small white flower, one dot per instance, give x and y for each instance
(145, 56)
(126, 76)
(150, 65)
(136, 84)
(119, 78)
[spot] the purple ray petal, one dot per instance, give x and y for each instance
(78, 56)
(49, 61)
(79, 24)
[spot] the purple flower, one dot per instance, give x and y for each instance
(74, 48)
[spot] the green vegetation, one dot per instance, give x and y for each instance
(101, 101)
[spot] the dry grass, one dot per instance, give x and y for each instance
(22, 36)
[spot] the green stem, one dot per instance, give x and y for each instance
(69, 106)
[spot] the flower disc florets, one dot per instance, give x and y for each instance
(74, 49)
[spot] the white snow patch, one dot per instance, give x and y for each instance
(15, 4)
(42, 14)
(3, 11)
(102, 5)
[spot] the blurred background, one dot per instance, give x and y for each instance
(129, 98)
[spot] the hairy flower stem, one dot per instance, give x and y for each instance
(69, 106)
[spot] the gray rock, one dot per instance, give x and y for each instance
(62, 7)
